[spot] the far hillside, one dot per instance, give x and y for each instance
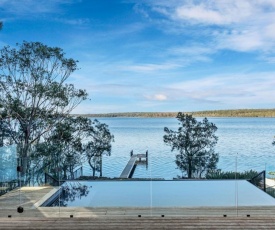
(210, 113)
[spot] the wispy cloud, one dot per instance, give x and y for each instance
(241, 90)
(149, 67)
(53, 10)
(78, 21)
(222, 12)
(33, 7)
(243, 26)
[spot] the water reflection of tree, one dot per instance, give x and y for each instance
(70, 192)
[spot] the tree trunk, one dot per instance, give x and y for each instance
(93, 168)
(100, 165)
(24, 161)
(189, 168)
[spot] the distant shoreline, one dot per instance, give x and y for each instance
(210, 113)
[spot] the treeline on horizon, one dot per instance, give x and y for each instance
(210, 113)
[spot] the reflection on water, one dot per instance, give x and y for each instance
(185, 193)
(70, 192)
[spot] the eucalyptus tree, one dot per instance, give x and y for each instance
(99, 143)
(63, 147)
(195, 141)
(34, 93)
(68, 145)
(4, 130)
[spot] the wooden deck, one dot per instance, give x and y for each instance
(138, 223)
(35, 217)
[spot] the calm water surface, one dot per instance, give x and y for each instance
(244, 144)
(162, 194)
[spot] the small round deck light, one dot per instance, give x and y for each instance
(248, 215)
(162, 216)
(71, 216)
(9, 216)
(20, 209)
(224, 215)
(139, 215)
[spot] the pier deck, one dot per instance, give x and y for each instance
(129, 167)
(128, 170)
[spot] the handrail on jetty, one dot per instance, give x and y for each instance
(131, 165)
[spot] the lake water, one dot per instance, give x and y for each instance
(244, 144)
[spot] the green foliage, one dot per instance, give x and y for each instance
(99, 143)
(62, 146)
(213, 113)
(272, 174)
(195, 142)
(34, 95)
(69, 144)
(270, 191)
(218, 174)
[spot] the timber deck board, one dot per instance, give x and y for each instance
(126, 218)
(138, 223)
(260, 217)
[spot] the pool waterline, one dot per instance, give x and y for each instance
(163, 193)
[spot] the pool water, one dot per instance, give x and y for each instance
(196, 193)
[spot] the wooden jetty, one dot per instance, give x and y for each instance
(134, 160)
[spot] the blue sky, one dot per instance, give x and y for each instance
(156, 55)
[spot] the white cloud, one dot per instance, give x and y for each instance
(239, 25)
(243, 41)
(156, 97)
(222, 12)
(200, 14)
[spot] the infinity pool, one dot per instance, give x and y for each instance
(214, 193)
